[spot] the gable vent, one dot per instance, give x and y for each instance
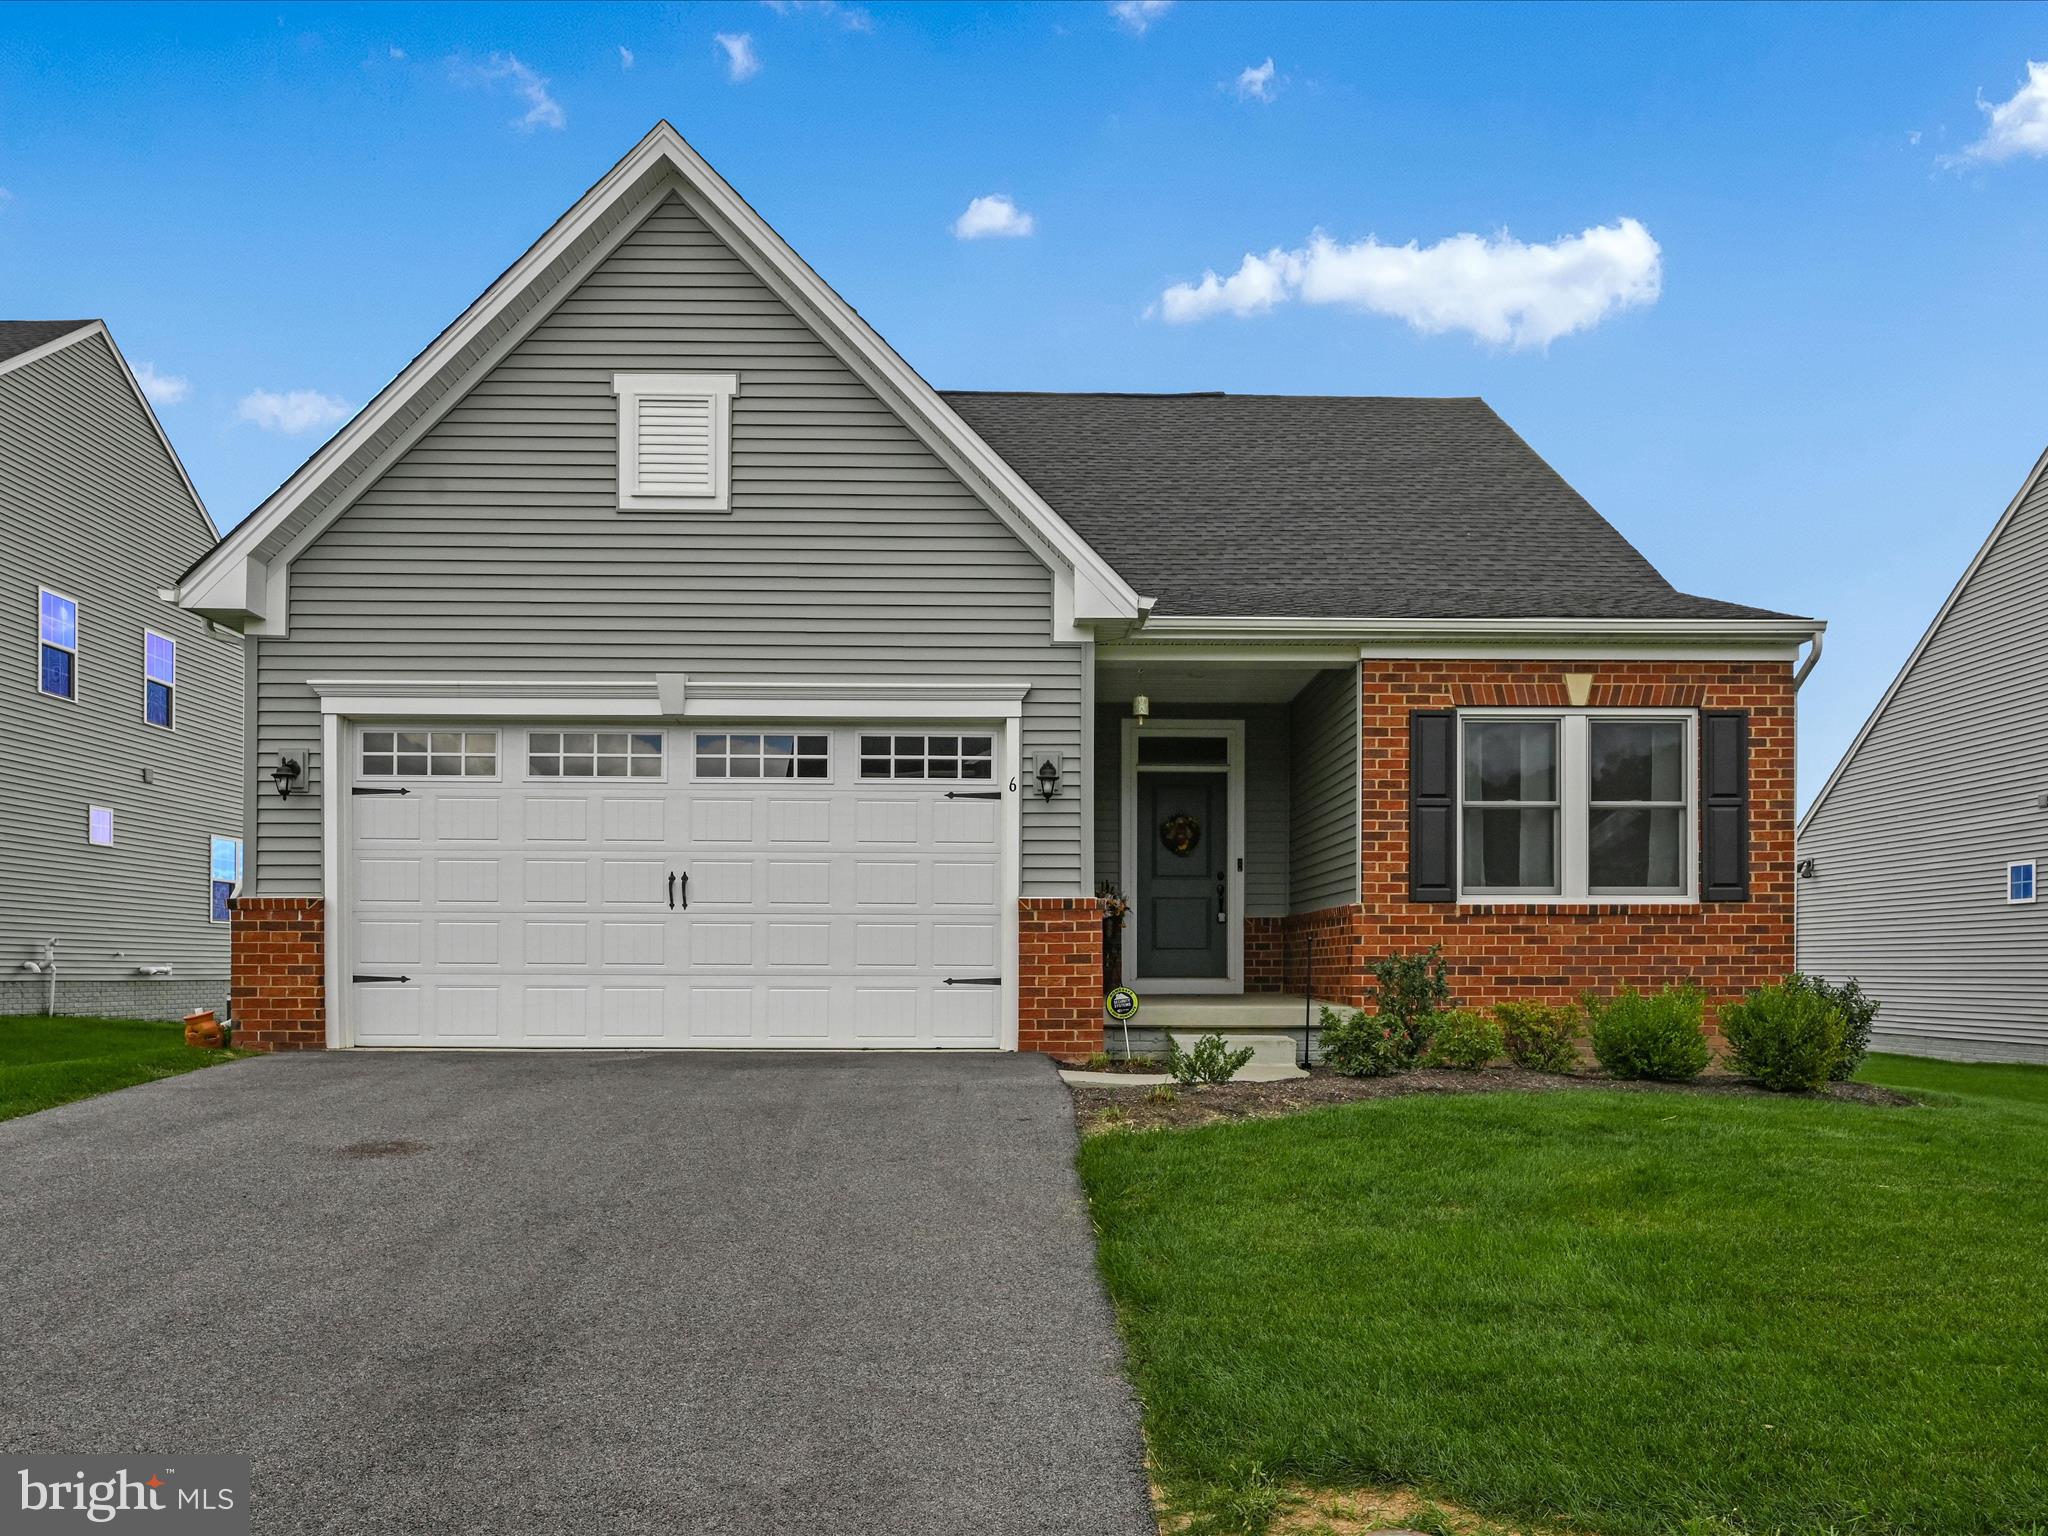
(675, 447)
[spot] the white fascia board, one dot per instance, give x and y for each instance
(1009, 495)
(227, 594)
(1187, 637)
(1983, 552)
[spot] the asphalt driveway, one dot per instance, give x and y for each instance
(561, 1293)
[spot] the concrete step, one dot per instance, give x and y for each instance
(1273, 1055)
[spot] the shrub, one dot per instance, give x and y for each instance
(1410, 991)
(1655, 1035)
(1540, 1036)
(1160, 1093)
(1788, 1037)
(1465, 1039)
(1211, 1061)
(1360, 1044)
(1858, 1008)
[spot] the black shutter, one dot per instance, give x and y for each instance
(1724, 805)
(1432, 805)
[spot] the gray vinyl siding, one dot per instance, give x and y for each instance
(494, 545)
(1266, 796)
(1325, 851)
(93, 506)
(1913, 840)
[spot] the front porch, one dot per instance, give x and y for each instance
(1226, 815)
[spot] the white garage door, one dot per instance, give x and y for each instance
(675, 887)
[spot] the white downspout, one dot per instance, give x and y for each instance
(1806, 666)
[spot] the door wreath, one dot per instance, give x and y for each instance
(1180, 834)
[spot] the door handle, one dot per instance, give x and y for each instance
(1222, 898)
(671, 890)
(686, 890)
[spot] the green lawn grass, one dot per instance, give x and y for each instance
(46, 1062)
(1615, 1312)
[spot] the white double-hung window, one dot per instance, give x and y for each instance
(675, 441)
(1576, 805)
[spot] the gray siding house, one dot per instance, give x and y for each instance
(1921, 856)
(660, 661)
(120, 714)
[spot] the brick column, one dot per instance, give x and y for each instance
(279, 968)
(1059, 979)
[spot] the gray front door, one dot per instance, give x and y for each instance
(1183, 875)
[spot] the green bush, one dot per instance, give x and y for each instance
(1655, 1035)
(1788, 1037)
(1360, 1044)
(1858, 1009)
(1410, 991)
(1465, 1039)
(1540, 1036)
(1211, 1061)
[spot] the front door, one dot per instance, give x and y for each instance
(1183, 882)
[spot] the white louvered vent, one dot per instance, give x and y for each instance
(675, 449)
(677, 445)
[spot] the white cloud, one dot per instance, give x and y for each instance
(2017, 126)
(542, 110)
(162, 388)
(292, 412)
(1135, 16)
(1499, 289)
(741, 62)
(993, 217)
(625, 57)
(1255, 82)
(853, 18)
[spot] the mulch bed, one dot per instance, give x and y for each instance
(1207, 1103)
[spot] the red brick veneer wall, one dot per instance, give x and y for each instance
(1059, 978)
(279, 969)
(1555, 951)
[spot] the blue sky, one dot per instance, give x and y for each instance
(1802, 360)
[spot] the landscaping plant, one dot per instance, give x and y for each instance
(1540, 1036)
(1360, 1044)
(1650, 1034)
(1788, 1037)
(1465, 1039)
(1410, 991)
(1211, 1061)
(1858, 1007)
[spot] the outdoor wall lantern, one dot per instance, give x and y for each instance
(285, 776)
(1049, 777)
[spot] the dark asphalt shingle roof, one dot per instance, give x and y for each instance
(1303, 506)
(18, 336)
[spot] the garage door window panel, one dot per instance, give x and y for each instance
(429, 754)
(595, 755)
(764, 755)
(923, 757)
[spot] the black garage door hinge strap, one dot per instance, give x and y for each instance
(380, 978)
(974, 981)
(974, 794)
(375, 789)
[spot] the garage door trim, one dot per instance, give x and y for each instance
(668, 700)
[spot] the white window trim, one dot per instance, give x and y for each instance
(90, 840)
(147, 636)
(1575, 795)
(2033, 883)
(718, 389)
(76, 637)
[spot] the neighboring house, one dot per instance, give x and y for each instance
(665, 663)
(120, 715)
(1923, 851)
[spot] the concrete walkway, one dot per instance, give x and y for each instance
(579, 1292)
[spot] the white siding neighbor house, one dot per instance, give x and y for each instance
(1920, 858)
(660, 661)
(120, 714)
